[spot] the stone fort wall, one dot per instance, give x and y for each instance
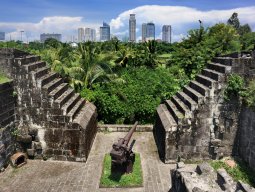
(52, 119)
(7, 124)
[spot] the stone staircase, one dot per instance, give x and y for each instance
(189, 125)
(65, 123)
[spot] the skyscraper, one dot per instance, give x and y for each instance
(144, 32)
(80, 35)
(150, 31)
(105, 32)
(166, 33)
(132, 28)
(90, 34)
(2, 36)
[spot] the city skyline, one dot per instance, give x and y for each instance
(65, 18)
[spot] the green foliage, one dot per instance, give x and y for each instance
(202, 45)
(137, 98)
(224, 38)
(248, 41)
(134, 179)
(235, 87)
(243, 29)
(249, 94)
(51, 42)
(240, 172)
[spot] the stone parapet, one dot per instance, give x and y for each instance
(123, 128)
(65, 123)
(197, 122)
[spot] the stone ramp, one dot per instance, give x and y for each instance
(53, 120)
(187, 125)
(46, 176)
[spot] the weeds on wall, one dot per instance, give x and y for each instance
(235, 87)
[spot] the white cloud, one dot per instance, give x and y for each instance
(181, 18)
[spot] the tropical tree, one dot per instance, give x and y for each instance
(224, 38)
(124, 56)
(243, 29)
(89, 67)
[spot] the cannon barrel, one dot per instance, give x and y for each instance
(130, 133)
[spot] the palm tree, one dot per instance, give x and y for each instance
(124, 56)
(61, 58)
(150, 54)
(89, 67)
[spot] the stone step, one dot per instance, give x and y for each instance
(39, 72)
(56, 93)
(176, 114)
(70, 103)
(190, 103)
(34, 66)
(52, 84)
(219, 67)
(47, 78)
(212, 74)
(223, 60)
(181, 106)
(203, 90)
(60, 101)
(166, 118)
(27, 59)
(72, 114)
(208, 82)
(193, 94)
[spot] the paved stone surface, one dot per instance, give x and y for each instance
(71, 176)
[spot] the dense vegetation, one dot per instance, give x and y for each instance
(128, 81)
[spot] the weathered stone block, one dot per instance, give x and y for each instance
(24, 138)
(31, 152)
(204, 168)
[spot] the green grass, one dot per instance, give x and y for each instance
(240, 172)
(134, 179)
(3, 78)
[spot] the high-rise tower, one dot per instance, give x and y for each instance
(150, 31)
(80, 35)
(166, 33)
(144, 32)
(90, 34)
(105, 32)
(132, 28)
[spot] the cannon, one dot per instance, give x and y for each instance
(122, 155)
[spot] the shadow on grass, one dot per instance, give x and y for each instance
(115, 176)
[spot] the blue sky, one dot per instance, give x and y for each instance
(63, 16)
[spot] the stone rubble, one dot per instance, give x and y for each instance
(203, 178)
